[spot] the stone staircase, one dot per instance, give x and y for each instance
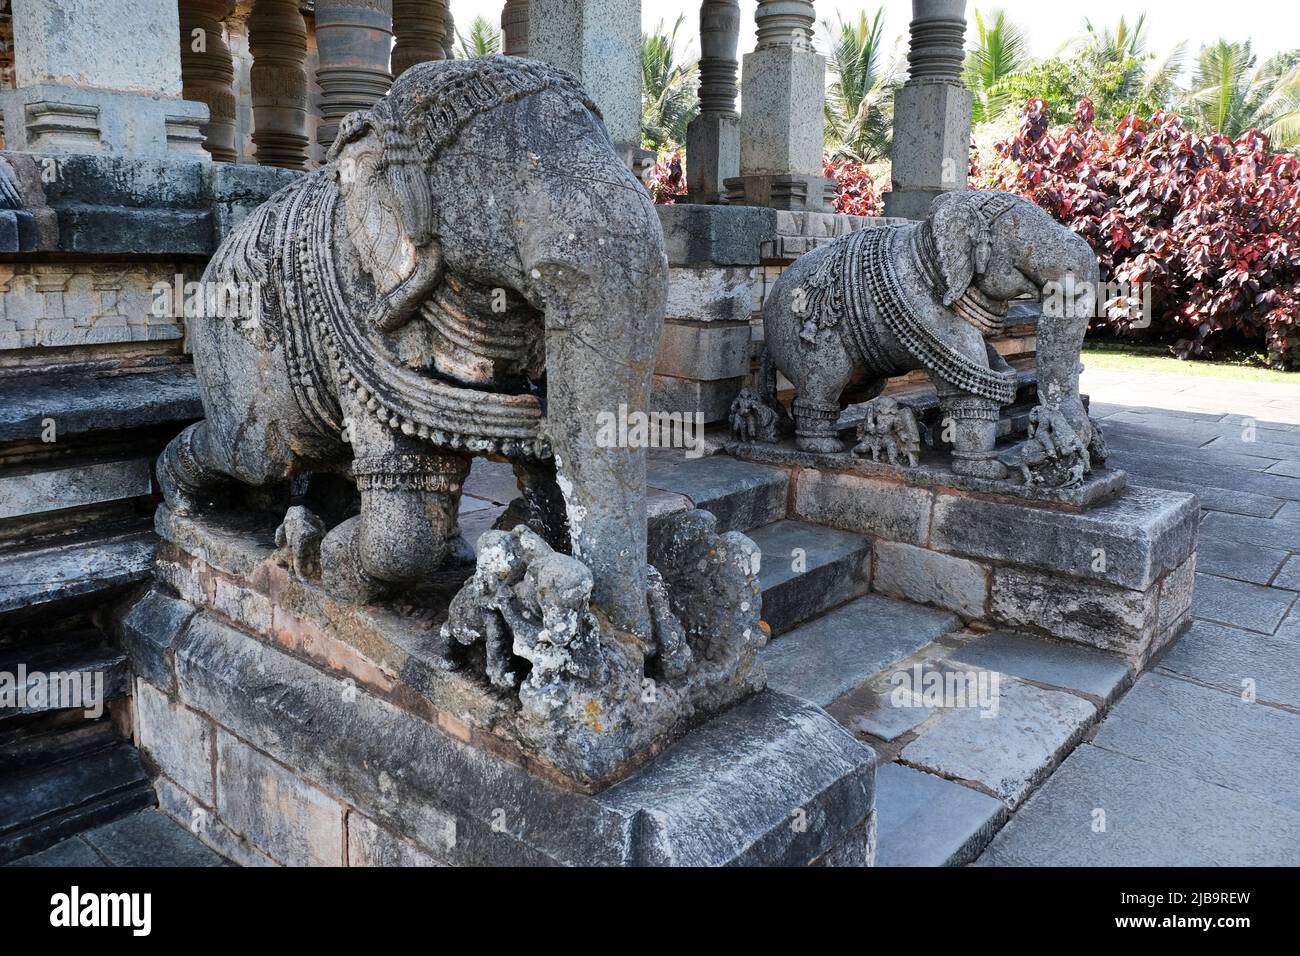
(948, 778)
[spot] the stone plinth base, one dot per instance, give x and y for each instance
(1104, 565)
(285, 736)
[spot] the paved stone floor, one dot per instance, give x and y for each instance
(1199, 764)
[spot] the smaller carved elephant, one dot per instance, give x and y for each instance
(926, 295)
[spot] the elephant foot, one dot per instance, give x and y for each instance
(814, 426)
(978, 467)
(341, 572)
(191, 485)
(820, 444)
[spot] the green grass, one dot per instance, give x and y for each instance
(1241, 367)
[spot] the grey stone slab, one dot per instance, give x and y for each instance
(1190, 470)
(928, 577)
(829, 656)
(723, 235)
(1248, 747)
(1240, 604)
(1217, 499)
(870, 710)
(1289, 576)
(807, 569)
(1290, 468)
(1121, 446)
(492, 481)
(78, 404)
(1262, 447)
(1239, 560)
(150, 839)
(870, 506)
(1171, 431)
(740, 494)
(1048, 662)
(1143, 533)
(926, 820)
(71, 852)
(1010, 750)
(1268, 532)
(149, 631)
(1239, 661)
(53, 489)
(1153, 816)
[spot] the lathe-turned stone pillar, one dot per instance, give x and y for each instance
(100, 76)
(600, 42)
(931, 151)
(514, 28)
(420, 27)
(354, 38)
(449, 40)
(277, 40)
(713, 137)
(783, 95)
(208, 72)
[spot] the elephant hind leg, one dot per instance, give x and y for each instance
(190, 479)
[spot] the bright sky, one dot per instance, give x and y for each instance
(1270, 25)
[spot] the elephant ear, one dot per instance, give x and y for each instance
(954, 233)
(388, 207)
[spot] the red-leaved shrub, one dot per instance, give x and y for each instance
(666, 179)
(1213, 224)
(855, 191)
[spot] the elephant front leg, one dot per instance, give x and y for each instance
(970, 422)
(407, 526)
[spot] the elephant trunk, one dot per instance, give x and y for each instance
(602, 287)
(1069, 278)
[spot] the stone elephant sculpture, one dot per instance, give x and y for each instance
(473, 272)
(927, 295)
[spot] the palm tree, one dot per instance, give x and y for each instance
(859, 100)
(669, 100)
(1229, 96)
(483, 39)
(1125, 48)
(1001, 51)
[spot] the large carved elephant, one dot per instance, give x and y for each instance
(927, 295)
(473, 272)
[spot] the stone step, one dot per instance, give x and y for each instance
(742, 495)
(148, 838)
(50, 581)
(808, 569)
(96, 779)
(831, 655)
(925, 820)
(90, 673)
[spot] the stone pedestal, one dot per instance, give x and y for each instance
(354, 38)
(713, 137)
(297, 731)
(931, 150)
(600, 43)
(420, 30)
(1104, 565)
(514, 28)
(781, 127)
(99, 77)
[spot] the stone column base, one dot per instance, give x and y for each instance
(782, 191)
(60, 119)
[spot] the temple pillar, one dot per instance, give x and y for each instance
(931, 151)
(420, 27)
(277, 40)
(713, 137)
(354, 38)
(601, 44)
(449, 40)
(514, 28)
(100, 76)
(783, 95)
(208, 72)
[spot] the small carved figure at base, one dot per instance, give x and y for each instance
(891, 429)
(752, 418)
(1053, 455)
